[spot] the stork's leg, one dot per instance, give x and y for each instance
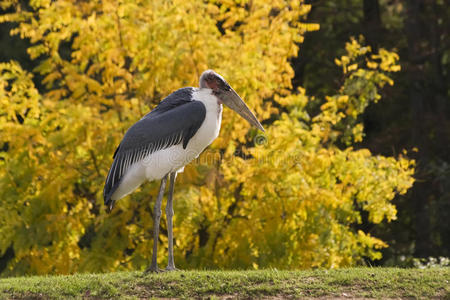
(169, 215)
(157, 216)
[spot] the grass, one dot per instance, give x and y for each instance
(267, 284)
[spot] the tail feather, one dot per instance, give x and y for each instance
(109, 203)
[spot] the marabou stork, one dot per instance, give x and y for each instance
(166, 139)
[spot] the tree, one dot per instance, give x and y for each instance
(103, 63)
(417, 117)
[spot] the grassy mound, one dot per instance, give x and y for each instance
(343, 283)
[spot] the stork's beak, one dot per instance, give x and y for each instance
(231, 99)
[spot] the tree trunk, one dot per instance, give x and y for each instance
(414, 29)
(372, 23)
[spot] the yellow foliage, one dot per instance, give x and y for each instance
(285, 199)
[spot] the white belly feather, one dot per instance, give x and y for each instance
(156, 165)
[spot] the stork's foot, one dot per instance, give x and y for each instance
(153, 269)
(171, 268)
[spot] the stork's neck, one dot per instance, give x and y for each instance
(209, 130)
(211, 102)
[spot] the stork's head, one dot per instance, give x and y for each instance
(222, 90)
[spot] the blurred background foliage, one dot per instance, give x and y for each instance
(416, 116)
(318, 190)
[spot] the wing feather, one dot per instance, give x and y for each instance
(154, 132)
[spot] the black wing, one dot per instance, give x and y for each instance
(167, 125)
(177, 98)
